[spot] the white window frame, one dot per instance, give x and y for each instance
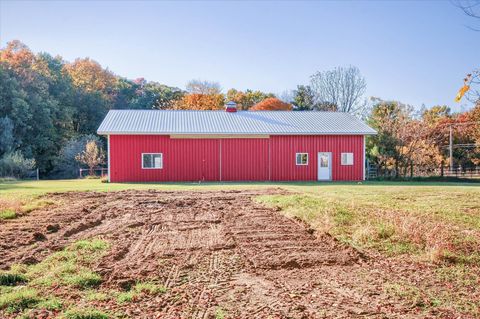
(161, 162)
(296, 159)
(346, 159)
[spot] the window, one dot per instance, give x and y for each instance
(324, 160)
(152, 161)
(302, 158)
(347, 158)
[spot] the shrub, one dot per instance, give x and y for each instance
(16, 165)
(66, 165)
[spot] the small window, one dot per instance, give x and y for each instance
(347, 158)
(302, 158)
(152, 161)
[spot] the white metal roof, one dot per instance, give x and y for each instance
(241, 122)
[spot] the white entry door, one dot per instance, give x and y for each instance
(324, 166)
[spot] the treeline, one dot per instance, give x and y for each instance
(413, 143)
(50, 109)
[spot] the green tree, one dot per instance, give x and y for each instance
(303, 98)
(6, 135)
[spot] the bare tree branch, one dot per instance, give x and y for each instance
(343, 87)
(471, 8)
(203, 87)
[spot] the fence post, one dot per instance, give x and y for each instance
(38, 175)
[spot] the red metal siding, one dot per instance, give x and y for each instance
(283, 150)
(241, 159)
(183, 159)
(244, 159)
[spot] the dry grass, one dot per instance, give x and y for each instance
(438, 224)
(11, 208)
(435, 226)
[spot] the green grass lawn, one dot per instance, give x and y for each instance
(28, 189)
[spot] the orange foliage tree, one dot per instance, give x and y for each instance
(90, 76)
(272, 104)
(197, 101)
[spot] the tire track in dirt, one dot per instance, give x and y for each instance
(211, 250)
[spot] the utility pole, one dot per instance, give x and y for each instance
(450, 148)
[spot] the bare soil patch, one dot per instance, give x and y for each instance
(218, 254)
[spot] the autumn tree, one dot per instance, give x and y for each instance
(417, 153)
(195, 101)
(466, 131)
(90, 76)
(246, 99)
(388, 118)
(92, 156)
(45, 101)
(272, 104)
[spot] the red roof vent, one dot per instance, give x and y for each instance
(231, 107)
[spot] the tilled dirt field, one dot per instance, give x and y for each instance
(212, 250)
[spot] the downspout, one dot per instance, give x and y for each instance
(364, 157)
(269, 158)
(220, 143)
(108, 156)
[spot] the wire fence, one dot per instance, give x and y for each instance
(373, 172)
(33, 174)
(471, 172)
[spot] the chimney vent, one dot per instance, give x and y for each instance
(231, 107)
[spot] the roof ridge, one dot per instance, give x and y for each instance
(238, 111)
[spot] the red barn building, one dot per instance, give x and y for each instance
(161, 146)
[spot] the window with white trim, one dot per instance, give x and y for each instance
(301, 158)
(347, 158)
(152, 160)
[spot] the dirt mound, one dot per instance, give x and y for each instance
(211, 250)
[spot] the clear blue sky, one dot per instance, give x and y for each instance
(415, 52)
